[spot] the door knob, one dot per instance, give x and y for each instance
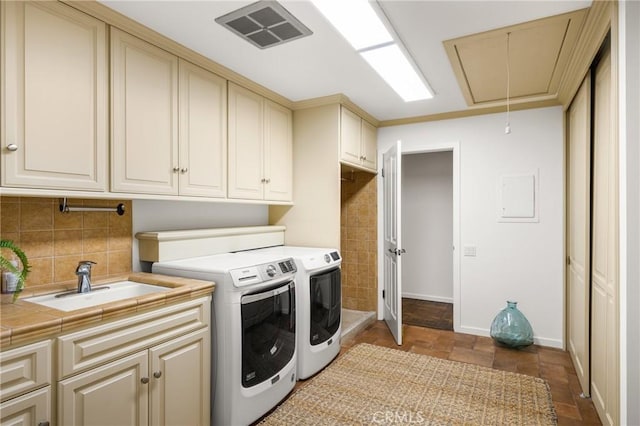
(185, 170)
(157, 374)
(144, 380)
(12, 147)
(176, 169)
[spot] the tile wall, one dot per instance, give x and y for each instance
(54, 242)
(359, 241)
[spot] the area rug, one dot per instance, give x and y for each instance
(371, 385)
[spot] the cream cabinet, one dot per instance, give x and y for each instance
(164, 385)
(111, 394)
(168, 122)
(153, 368)
(358, 141)
(202, 155)
(144, 117)
(260, 147)
(54, 103)
(25, 385)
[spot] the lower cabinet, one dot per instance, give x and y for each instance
(152, 368)
(25, 385)
(163, 385)
(31, 409)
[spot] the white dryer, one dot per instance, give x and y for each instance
(253, 330)
(319, 304)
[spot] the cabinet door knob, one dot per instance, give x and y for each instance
(263, 180)
(12, 147)
(267, 180)
(157, 374)
(144, 380)
(185, 170)
(176, 169)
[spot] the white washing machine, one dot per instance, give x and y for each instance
(253, 330)
(319, 304)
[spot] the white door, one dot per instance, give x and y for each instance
(392, 269)
(579, 228)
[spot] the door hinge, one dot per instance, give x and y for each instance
(382, 171)
(568, 260)
(383, 294)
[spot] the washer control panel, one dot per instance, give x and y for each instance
(262, 273)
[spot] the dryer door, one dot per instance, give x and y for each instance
(325, 294)
(268, 333)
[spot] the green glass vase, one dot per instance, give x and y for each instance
(511, 328)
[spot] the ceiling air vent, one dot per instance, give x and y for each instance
(264, 24)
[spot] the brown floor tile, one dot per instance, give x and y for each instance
(554, 373)
(472, 357)
(567, 410)
(555, 356)
(561, 393)
(528, 368)
(484, 344)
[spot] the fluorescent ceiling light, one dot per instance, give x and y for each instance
(356, 21)
(395, 69)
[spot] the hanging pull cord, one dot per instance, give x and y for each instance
(507, 129)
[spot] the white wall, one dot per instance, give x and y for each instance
(150, 215)
(629, 111)
(515, 261)
(427, 226)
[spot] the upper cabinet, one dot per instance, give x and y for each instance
(203, 132)
(87, 108)
(54, 112)
(144, 117)
(260, 147)
(358, 141)
(168, 133)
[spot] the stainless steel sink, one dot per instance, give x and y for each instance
(112, 292)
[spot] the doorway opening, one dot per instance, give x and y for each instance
(428, 237)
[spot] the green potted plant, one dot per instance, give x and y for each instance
(7, 265)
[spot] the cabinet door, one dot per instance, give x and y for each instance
(113, 394)
(246, 134)
(180, 380)
(31, 409)
(278, 154)
(369, 147)
(144, 103)
(24, 369)
(54, 104)
(203, 132)
(350, 137)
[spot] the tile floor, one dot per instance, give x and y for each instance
(553, 365)
(425, 313)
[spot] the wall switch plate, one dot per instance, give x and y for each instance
(470, 251)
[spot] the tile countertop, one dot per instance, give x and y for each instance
(23, 322)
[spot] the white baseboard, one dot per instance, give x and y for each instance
(428, 297)
(538, 340)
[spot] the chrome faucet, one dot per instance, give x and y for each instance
(83, 271)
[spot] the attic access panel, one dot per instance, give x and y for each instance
(264, 24)
(538, 55)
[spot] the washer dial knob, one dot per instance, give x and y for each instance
(271, 271)
(327, 258)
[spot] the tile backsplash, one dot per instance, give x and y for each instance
(55, 242)
(359, 241)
